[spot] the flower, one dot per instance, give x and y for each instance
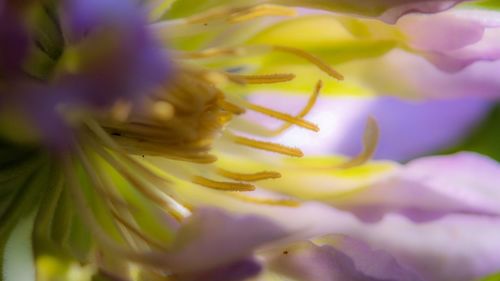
(121, 123)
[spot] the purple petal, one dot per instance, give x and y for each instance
(454, 40)
(408, 128)
(387, 10)
(212, 240)
(240, 270)
(458, 248)
(344, 259)
(403, 7)
(403, 74)
(120, 58)
(430, 188)
(411, 129)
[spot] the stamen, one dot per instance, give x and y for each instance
(230, 107)
(262, 79)
(268, 146)
(130, 177)
(261, 11)
(267, 201)
(264, 175)
(312, 59)
(136, 231)
(101, 186)
(147, 258)
(370, 141)
(283, 116)
(310, 104)
(225, 186)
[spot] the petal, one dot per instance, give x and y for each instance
(211, 240)
(100, 35)
(340, 258)
(370, 53)
(239, 270)
(389, 10)
(417, 78)
(474, 33)
(428, 188)
(460, 248)
(408, 128)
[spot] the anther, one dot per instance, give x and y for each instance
(310, 104)
(262, 79)
(370, 141)
(224, 186)
(264, 175)
(268, 146)
(312, 59)
(283, 116)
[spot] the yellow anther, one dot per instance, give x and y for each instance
(370, 141)
(262, 79)
(264, 175)
(310, 104)
(225, 186)
(283, 116)
(268, 146)
(312, 59)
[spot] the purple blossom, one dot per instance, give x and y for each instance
(109, 55)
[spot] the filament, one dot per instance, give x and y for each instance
(136, 231)
(150, 258)
(230, 107)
